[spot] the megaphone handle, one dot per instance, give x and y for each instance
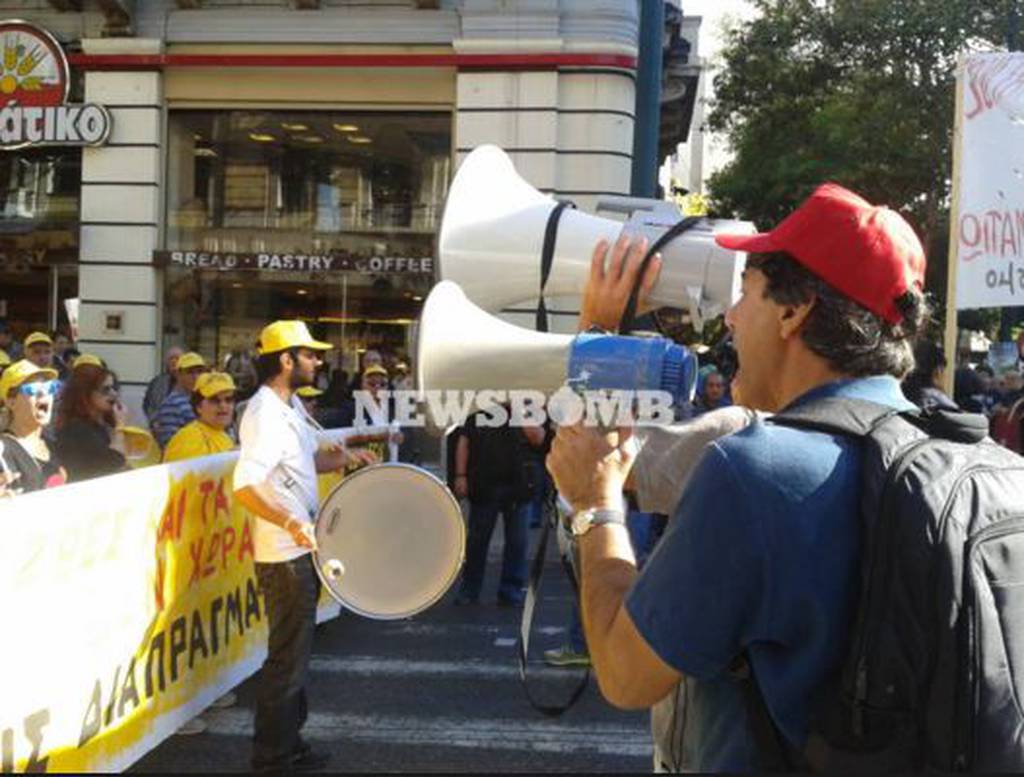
(629, 314)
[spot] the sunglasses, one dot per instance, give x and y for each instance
(40, 388)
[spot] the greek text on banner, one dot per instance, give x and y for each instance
(131, 604)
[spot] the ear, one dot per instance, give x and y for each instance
(286, 360)
(792, 317)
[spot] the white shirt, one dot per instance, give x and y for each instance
(278, 447)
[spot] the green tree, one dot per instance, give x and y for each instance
(860, 92)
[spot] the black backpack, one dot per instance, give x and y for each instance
(934, 677)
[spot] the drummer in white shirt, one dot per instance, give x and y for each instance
(275, 479)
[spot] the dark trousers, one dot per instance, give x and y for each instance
(290, 591)
(483, 515)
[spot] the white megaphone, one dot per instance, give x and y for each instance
(462, 348)
(492, 234)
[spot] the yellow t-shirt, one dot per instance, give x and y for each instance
(197, 439)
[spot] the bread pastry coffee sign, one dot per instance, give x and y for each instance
(34, 86)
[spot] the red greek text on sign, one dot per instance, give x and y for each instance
(214, 551)
(992, 80)
(994, 233)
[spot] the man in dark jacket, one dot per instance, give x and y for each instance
(492, 471)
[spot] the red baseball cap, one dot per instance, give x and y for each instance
(867, 252)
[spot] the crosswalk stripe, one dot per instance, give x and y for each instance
(402, 667)
(543, 736)
(412, 629)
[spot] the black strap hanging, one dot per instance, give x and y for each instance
(532, 589)
(629, 314)
(547, 258)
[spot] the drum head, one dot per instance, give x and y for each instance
(390, 541)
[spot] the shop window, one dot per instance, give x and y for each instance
(39, 206)
(260, 200)
(313, 181)
(39, 188)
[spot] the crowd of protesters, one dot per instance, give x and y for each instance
(62, 419)
(84, 423)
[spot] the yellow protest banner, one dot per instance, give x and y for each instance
(130, 604)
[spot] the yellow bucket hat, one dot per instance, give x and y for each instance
(282, 335)
(308, 392)
(211, 384)
(21, 371)
(375, 369)
(5, 360)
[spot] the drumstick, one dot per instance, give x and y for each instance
(392, 445)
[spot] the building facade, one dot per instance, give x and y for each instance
(290, 158)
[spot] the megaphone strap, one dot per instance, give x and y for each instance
(547, 257)
(629, 314)
(526, 625)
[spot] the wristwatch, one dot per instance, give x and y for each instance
(584, 520)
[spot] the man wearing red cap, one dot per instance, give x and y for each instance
(761, 557)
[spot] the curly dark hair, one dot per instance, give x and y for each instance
(851, 338)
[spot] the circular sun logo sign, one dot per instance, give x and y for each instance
(33, 92)
(35, 70)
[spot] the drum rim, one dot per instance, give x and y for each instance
(456, 568)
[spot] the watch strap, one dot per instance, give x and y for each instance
(598, 517)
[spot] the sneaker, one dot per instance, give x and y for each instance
(195, 726)
(566, 656)
(227, 700)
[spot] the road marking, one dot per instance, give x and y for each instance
(540, 736)
(505, 642)
(407, 628)
(366, 666)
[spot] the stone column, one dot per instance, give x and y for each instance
(121, 214)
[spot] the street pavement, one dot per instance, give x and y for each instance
(436, 693)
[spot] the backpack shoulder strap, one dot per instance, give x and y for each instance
(861, 418)
(838, 415)
(833, 415)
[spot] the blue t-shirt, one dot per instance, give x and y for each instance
(762, 555)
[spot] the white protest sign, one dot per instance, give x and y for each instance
(989, 182)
